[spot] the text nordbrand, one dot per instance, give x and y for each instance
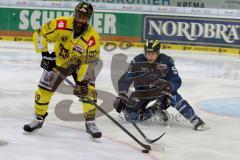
(193, 30)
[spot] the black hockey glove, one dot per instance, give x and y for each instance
(120, 101)
(48, 61)
(81, 90)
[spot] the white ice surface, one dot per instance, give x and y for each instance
(205, 77)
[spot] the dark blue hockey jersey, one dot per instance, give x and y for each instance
(143, 74)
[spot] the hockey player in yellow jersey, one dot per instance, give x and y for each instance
(76, 43)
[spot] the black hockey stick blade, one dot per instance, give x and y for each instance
(145, 137)
(156, 139)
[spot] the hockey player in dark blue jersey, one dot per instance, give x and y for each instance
(154, 77)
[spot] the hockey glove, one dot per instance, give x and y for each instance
(81, 90)
(48, 61)
(120, 101)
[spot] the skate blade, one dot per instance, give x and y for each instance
(96, 140)
(29, 133)
(203, 127)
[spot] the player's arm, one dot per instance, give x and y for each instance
(41, 37)
(47, 33)
(123, 86)
(173, 77)
(127, 78)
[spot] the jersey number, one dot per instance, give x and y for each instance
(174, 70)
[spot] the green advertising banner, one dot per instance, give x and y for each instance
(22, 22)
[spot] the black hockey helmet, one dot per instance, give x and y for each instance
(152, 46)
(84, 7)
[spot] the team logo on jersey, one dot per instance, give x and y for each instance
(162, 69)
(161, 66)
(64, 38)
(91, 42)
(61, 24)
(78, 48)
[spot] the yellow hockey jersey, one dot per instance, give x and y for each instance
(85, 47)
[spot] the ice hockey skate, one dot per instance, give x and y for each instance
(92, 129)
(162, 114)
(37, 123)
(199, 125)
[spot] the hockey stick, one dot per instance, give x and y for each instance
(145, 137)
(145, 146)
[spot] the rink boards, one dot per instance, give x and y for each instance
(111, 45)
